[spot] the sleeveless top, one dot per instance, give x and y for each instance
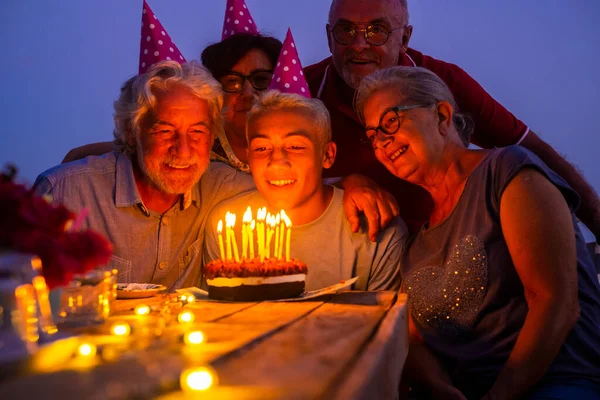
(465, 295)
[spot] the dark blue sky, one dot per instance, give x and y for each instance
(65, 60)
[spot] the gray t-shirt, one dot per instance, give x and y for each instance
(148, 247)
(327, 245)
(465, 295)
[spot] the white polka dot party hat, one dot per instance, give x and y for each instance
(238, 19)
(156, 44)
(288, 76)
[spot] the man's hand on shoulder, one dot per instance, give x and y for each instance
(362, 194)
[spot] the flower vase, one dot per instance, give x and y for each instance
(24, 301)
(87, 300)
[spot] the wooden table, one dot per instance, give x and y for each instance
(351, 345)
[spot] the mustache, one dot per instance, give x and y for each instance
(366, 55)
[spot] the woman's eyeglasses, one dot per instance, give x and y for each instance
(389, 123)
(233, 82)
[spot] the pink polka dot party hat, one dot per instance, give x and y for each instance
(238, 19)
(288, 76)
(156, 44)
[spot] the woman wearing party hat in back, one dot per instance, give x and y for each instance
(243, 61)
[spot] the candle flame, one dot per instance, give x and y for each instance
(278, 218)
(261, 214)
(220, 226)
(186, 317)
(194, 337)
(142, 309)
(247, 215)
(252, 224)
(87, 350)
(198, 379)
(230, 219)
(120, 329)
(286, 219)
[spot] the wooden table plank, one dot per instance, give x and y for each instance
(376, 373)
(212, 311)
(268, 350)
(309, 354)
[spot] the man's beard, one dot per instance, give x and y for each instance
(353, 78)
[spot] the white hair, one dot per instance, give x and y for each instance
(417, 85)
(272, 100)
(138, 98)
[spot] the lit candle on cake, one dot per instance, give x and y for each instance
(288, 224)
(260, 231)
(228, 234)
(276, 252)
(220, 235)
(281, 235)
(246, 232)
(270, 232)
(251, 238)
(236, 255)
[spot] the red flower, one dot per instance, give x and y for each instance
(30, 224)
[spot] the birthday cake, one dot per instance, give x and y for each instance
(252, 280)
(248, 278)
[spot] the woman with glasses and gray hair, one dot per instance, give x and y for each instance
(504, 299)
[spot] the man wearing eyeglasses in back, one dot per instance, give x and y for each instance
(368, 35)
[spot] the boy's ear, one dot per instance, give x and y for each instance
(329, 154)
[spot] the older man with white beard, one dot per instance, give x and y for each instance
(151, 198)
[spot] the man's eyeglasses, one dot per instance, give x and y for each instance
(389, 123)
(233, 82)
(376, 34)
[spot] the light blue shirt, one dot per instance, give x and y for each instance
(148, 247)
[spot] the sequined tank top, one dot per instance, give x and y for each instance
(465, 296)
